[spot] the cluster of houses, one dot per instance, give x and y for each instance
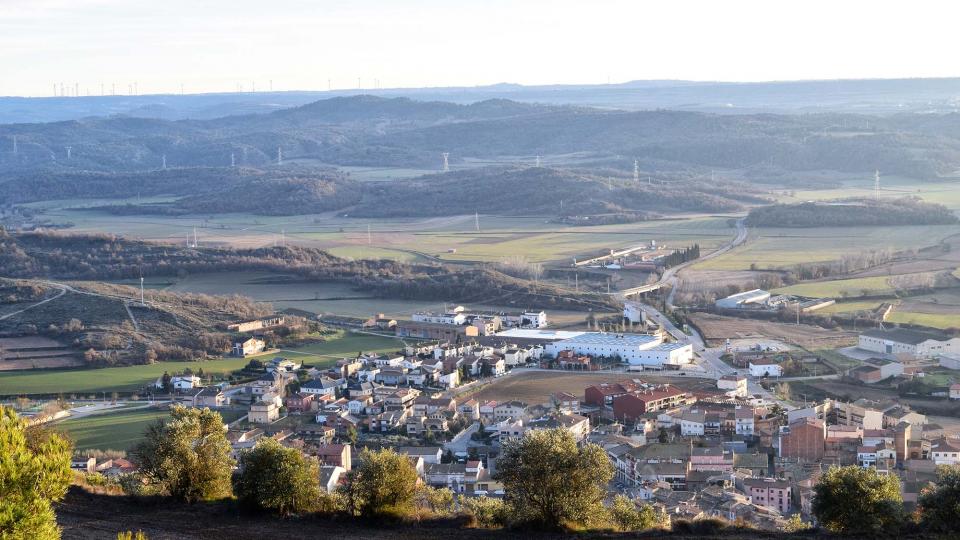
(383, 393)
(459, 323)
(727, 454)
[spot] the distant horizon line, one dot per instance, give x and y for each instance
(373, 90)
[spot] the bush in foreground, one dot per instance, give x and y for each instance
(187, 457)
(627, 516)
(381, 485)
(940, 506)
(551, 482)
(855, 500)
(34, 473)
(278, 479)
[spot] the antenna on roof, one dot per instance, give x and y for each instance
(446, 161)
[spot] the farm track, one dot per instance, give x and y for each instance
(40, 303)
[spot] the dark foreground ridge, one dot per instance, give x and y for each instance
(84, 515)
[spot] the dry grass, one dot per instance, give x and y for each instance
(716, 329)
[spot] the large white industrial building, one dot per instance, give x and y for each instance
(741, 300)
(641, 350)
(912, 342)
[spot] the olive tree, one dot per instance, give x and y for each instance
(857, 500)
(550, 481)
(188, 456)
(279, 479)
(382, 484)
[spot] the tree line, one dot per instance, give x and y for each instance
(852, 213)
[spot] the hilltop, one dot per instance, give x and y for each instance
(548, 191)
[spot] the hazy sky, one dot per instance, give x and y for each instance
(212, 45)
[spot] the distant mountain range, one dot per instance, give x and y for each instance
(869, 96)
(399, 132)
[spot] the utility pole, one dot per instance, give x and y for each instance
(141, 291)
(876, 185)
(15, 149)
(446, 161)
(576, 282)
(69, 152)
(279, 156)
(233, 160)
(798, 313)
(195, 237)
(476, 221)
(163, 164)
(636, 171)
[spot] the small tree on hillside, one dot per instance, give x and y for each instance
(34, 472)
(278, 479)
(627, 516)
(382, 485)
(551, 482)
(188, 456)
(857, 500)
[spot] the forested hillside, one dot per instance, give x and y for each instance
(860, 212)
(547, 191)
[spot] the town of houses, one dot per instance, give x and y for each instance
(710, 449)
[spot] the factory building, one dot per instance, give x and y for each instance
(743, 300)
(641, 350)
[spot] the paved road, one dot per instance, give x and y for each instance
(460, 442)
(669, 275)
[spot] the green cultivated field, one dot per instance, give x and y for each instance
(772, 248)
(935, 320)
(115, 431)
(133, 378)
(849, 307)
(397, 238)
(946, 193)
